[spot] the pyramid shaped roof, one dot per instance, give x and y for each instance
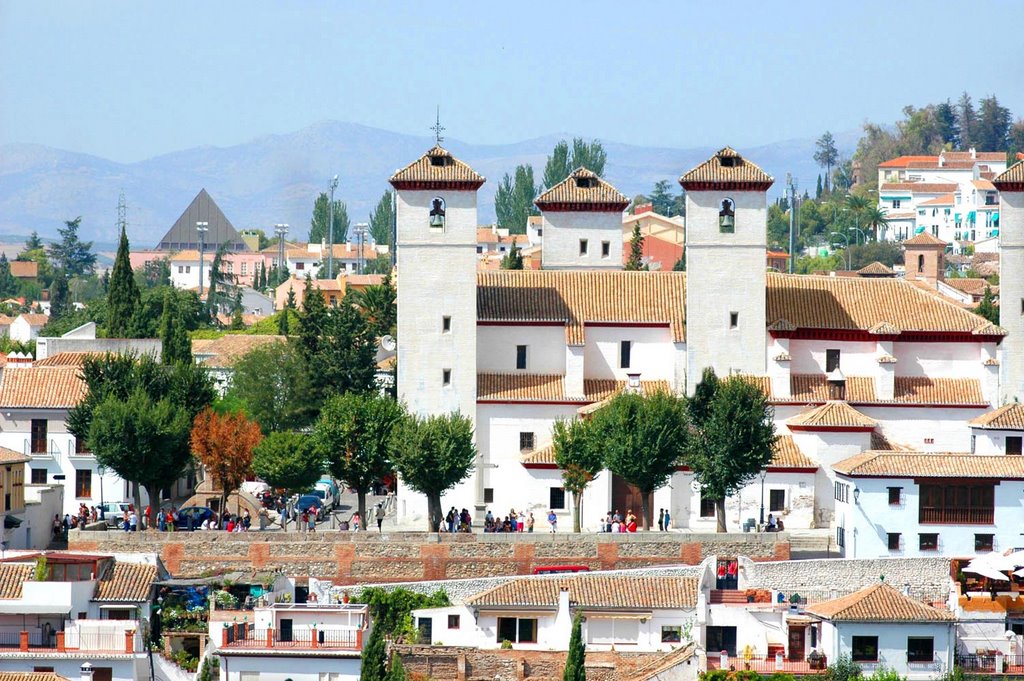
(925, 239)
(437, 169)
(832, 414)
(727, 170)
(183, 235)
(878, 603)
(583, 190)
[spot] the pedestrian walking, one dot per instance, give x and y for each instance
(668, 520)
(380, 517)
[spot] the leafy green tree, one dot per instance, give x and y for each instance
(826, 154)
(321, 216)
(636, 251)
(889, 253)
(153, 274)
(987, 308)
(176, 346)
(72, 254)
(1016, 141)
(580, 458)
(382, 219)
(561, 162)
(123, 296)
(377, 304)
(286, 460)
(513, 200)
(732, 437)
(778, 227)
(272, 382)
(558, 166)
(680, 265)
(576, 659)
(433, 455)
(8, 284)
(873, 218)
(60, 304)
(644, 438)
(842, 176)
(513, 260)
(375, 657)
(353, 434)
(391, 610)
(283, 327)
(662, 199)
(843, 668)
(378, 265)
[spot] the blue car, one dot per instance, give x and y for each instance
(312, 503)
(191, 517)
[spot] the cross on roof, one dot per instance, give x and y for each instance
(437, 127)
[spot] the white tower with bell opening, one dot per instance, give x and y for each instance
(1011, 280)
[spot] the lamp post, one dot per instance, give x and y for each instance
(847, 240)
(280, 230)
(764, 474)
(862, 237)
(101, 471)
(330, 230)
(201, 228)
(360, 231)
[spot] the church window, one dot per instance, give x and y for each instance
(525, 442)
(488, 495)
(437, 212)
(446, 377)
(1013, 445)
(920, 263)
(831, 360)
(734, 320)
(557, 499)
(520, 357)
(625, 353)
(606, 249)
(727, 217)
(583, 246)
(446, 324)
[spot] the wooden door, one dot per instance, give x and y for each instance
(796, 643)
(102, 673)
(626, 497)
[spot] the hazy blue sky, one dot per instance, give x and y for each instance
(131, 79)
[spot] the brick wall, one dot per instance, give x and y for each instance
(354, 558)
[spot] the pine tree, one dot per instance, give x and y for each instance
(72, 254)
(382, 219)
(177, 348)
(636, 250)
(123, 295)
(60, 305)
(576, 660)
(33, 242)
(290, 303)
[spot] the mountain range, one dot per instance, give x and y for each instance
(275, 178)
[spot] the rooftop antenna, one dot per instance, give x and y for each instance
(438, 128)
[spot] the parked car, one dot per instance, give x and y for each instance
(324, 496)
(312, 503)
(112, 512)
(191, 517)
(328, 491)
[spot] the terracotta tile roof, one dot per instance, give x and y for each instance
(878, 603)
(875, 269)
(788, 455)
(12, 456)
(908, 389)
(486, 235)
(67, 359)
(123, 582)
(593, 591)
(881, 443)
(978, 156)
(579, 297)
(1011, 179)
(1007, 417)
(583, 188)
(192, 255)
(901, 464)
(31, 676)
(437, 168)
(832, 413)
(902, 161)
(58, 387)
(984, 185)
(727, 169)
(972, 285)
(944, 200)
(34, 319)
(549, 388)
(822, 302)
(920, 187)
(25, 269)
(924, 239)
(223, 352)
(544, 456)
(12, 576)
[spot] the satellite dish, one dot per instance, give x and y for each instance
(388, 343)
(695, 486)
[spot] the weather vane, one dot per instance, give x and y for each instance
(438, 128)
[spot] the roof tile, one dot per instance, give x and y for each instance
(435, 169)
(727, 170)
(1007, 417)
(878, 603)
(788, 455)
(593, 591)
(582, 189)
(125, 582)
(48, 387)
(834, 413)
(904, 464)
(12, 576)
(549, 388)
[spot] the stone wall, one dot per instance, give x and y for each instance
(929, 578)
(356, 558)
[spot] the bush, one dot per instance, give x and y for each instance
(781, 676)
(883, 673)
(506, 645)
(843, 669)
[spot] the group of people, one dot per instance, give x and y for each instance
(513, 522)
(614, 521)
(457, 521)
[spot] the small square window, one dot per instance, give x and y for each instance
(583, 246)
(929, 440)
(300, 265)
(831, 361)
(557, 499)
(38, 476)
(894, 495)
(488, 495)
(894, 541)
(520, 357)
(671, 634)
(983, 542)
(606, 249)
(525, 442)
(928, 542)
(734, 320)
(1014, 445)
(453, 621)
(446, 377)
(920, 649)
(865, 649)
(446, 324)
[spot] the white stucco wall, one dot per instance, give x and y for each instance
(652, 353)
(563, 231)
(1011, 292)
(496, 349)
(991, 442)
(278, 668)
(837, 639)
(939, 360)
(856, 358)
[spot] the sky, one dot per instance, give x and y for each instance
(127, 80)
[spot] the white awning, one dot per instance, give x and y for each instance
(21, 608)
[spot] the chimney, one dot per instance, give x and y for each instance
(974, 153)
(17, 360)
(563, 602)
(633, 382)
(86, 672)
(836, 385)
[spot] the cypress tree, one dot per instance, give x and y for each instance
(177, 347)
(59, 303)
(397, 671)
(374, 657)
(513, 260)
(282, 322)
(575, 661)
(123, 295)
(636, 250)
(8, 284)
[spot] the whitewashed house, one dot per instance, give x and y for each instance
(638, 614)
(26, 327)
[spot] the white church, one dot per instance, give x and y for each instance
(895, 406)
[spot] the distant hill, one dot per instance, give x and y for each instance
(276, 178)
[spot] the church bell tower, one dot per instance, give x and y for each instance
(1011, 279)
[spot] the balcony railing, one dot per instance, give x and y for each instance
(763, 664)
(957, 516)
(248, 636)
(988, 664)
(119, 642)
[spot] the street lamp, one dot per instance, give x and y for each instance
(361, 231)
(862, 237)
(201, 228)
(847, 240)
(280, 230)
(764, 474)
(101, 470)
(330, 230)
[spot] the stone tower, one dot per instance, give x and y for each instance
(1011, 279)
(726, 243)
(582, 223)
(436, 249)
(925, 258)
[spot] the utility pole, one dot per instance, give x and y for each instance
(792, 218)
(280, 230)
(201, 229)
(330, 231)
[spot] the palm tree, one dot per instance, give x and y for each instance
(875, 218)
(377, 303)
(857, 203)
